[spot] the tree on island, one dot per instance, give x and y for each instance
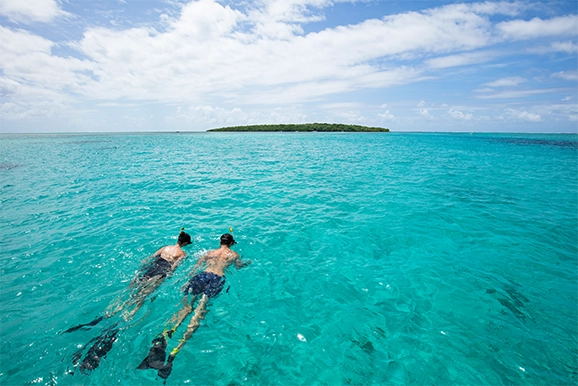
(305, 127)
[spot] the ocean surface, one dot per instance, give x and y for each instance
(377, 258)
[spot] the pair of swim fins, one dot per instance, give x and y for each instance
(156, 357)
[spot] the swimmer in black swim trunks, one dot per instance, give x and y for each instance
(209, 283)
(167, 259)
(159, 267)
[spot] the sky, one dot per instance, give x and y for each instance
(178, 65)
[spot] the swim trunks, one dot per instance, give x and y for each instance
(160, 267)
(207, 283)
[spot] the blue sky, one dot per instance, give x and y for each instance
(154, 65)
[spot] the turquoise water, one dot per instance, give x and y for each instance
(378, 258)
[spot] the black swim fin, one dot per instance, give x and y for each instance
(93, 323)
(165, 371)
(99, 349)
(157, 354)
(78, 354)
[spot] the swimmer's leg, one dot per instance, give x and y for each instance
(157, 353)
(199, 314)
(180, 316)
(139, 299)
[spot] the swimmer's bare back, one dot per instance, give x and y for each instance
(171, 253)
(218, 260)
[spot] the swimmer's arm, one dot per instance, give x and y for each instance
(178, 260)
(240, 263)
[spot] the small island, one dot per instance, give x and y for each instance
(305, 127)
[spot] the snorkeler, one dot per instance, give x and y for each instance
(209, 283)
(166, 261)
(148, 279)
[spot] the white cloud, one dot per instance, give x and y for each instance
(114, 104)
(526, 116)
(352, 116)
(521, 93)
(455, 114)
(27, 60)
(207, 52)
(421, 103)
(207, 116)
(212, 56)
(566, 75)
(506, 82)
(27, 11)
(425, 114)
(523, 115)
(536, 28)
(46, 103)
(14, 43)
(282, 19)
(205, 20)
(500, 8)
(387, 115)
(342, 105)
(34, 81)
(463, 59)
(568, 47)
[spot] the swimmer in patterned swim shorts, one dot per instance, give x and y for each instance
(209, 283)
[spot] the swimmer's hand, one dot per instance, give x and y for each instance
(240, 264)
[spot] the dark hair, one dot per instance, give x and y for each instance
(184, 238)
(227, 239)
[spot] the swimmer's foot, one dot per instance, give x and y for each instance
(127, 316)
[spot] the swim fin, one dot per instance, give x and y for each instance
(157, 354)
(78, 354)
(165, 371)
(93, 323)
(99, 349)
